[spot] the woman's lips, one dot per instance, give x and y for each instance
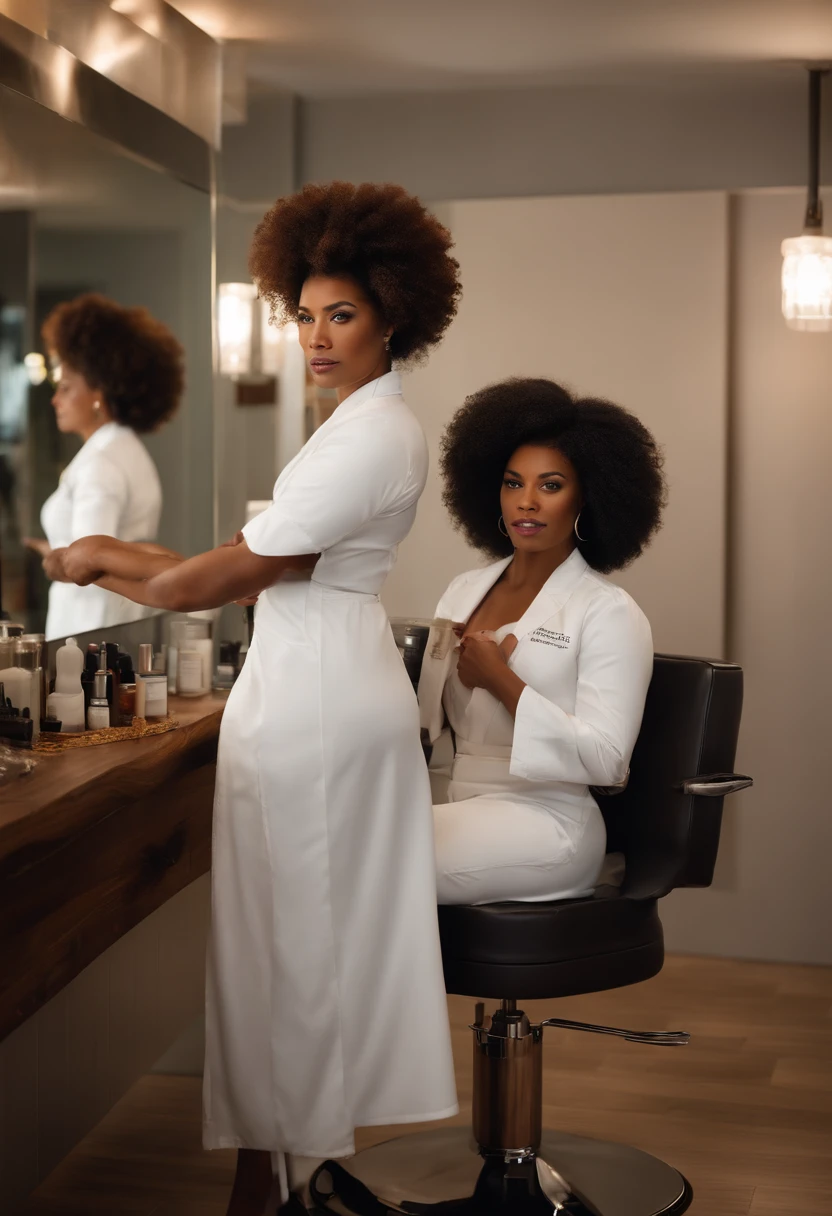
(323, 365)
(527, 527)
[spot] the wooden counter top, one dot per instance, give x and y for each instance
(69, 792)
(93, 841)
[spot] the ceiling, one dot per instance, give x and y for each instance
(330, 48)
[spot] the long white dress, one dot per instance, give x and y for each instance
(109, 488)
(326, 1006)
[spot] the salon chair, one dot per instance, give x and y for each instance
(666, 822)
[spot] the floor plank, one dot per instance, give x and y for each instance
(745, 1111)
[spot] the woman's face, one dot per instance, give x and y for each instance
(342, 335)
(540, 500)
(79, 409)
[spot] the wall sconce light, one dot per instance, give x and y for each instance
(271, 343)
(36, 369)
(235, 328)
(807, 259)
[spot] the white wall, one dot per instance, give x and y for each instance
(671, 305)
(708, 130)
(770, 898)
(623, 297)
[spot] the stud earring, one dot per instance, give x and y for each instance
(577, 533)
(387, 343)
(96, 405)
(501, 525)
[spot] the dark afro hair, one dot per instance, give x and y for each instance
(381, 237)
(618, 462)
(132, 359)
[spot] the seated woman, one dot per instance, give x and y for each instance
(543, 696)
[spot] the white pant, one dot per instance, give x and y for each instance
(493, 848)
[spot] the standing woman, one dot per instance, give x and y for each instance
(120, 374)
(326, 1003)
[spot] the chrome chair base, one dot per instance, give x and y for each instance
(442, 1172)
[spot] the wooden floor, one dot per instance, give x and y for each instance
(745, 1111)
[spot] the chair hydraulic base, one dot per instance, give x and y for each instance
(443, 1172)
(512, 1167)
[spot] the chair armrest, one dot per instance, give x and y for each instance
(717, 785)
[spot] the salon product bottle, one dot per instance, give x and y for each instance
(67, 701)
(127, 689)
(88, 674)
(113, 682)
(98, 713)
(16, 727)
(39, 670)
(151, 688)
(28, 651)
(195, 659)
(17, 682)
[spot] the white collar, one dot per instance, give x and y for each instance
(388, 385)
(553, 594)
(101, 437)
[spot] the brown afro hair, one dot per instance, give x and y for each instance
(125, 353)
(380, 236)
(617, 460)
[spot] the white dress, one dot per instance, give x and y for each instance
(516, 819)
(326, 1005)
(109, 488)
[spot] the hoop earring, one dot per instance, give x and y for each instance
(577, 533)
(501, 526)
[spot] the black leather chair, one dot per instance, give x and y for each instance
(666, 823)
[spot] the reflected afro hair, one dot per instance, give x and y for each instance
(124, 353)
(618, 462)
(381, 237)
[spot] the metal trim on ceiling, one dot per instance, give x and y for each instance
(54, 78)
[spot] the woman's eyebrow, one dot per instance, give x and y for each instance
(329, 307)
(540, 476)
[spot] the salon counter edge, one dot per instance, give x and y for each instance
(93, 841)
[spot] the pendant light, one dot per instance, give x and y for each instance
(807, 259)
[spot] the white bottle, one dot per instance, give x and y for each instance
(195, 659)
(151, 688)
(17, 685)
(66, 703)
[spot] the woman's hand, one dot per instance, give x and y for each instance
(51, 559)
(37, 545)
(480, 660)
(81, 561)
(484, 664)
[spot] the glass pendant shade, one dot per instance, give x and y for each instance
(807, 282)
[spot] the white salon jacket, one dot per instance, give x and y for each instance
(585, 652)
(109, 488)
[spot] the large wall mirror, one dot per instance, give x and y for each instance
(80, 213)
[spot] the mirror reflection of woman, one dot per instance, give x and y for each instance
(120, 374)
(326, 1002)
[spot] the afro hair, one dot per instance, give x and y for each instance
(617, 460)
(378, 235)
(124, 353)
